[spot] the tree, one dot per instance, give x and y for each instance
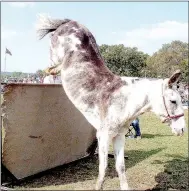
(124, 61)
(170, 57)
(184, 68)
(16, 74)
(40, 73)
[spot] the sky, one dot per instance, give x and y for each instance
(145, 25)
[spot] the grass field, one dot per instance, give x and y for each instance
(158, 160)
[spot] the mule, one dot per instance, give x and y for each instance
(106, 100)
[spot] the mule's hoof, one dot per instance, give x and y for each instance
(130, 189)
(98, 186)
(125, 187)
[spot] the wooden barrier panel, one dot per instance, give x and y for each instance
(41, 129)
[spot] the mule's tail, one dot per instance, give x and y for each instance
(46, 25)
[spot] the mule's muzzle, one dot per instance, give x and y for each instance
(178, 133)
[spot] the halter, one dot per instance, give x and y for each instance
(169, 117)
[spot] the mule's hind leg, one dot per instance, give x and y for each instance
(118, 144)
(103, 146)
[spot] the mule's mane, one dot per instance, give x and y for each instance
(46, 25)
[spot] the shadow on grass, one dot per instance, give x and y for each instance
(150, 136)
(175, 175)
(79, 171)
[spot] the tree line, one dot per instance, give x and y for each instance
(127, 61)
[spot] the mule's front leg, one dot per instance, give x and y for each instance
(119, 144)
(103, 146)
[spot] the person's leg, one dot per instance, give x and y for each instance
(136, 126)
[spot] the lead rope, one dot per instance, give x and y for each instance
(165, 103)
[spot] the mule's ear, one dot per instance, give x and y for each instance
(174, 78)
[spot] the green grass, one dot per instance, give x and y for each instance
(158, 161)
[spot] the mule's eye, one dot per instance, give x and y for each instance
(173, 101)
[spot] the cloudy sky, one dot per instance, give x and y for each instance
(146, 25)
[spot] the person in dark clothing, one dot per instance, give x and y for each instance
(136, 127)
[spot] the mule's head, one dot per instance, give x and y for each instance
(171, 107)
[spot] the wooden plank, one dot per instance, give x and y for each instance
(42, 129)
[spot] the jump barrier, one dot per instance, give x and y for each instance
(42, 129)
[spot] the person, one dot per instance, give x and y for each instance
(49, 79)
(136, 127)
